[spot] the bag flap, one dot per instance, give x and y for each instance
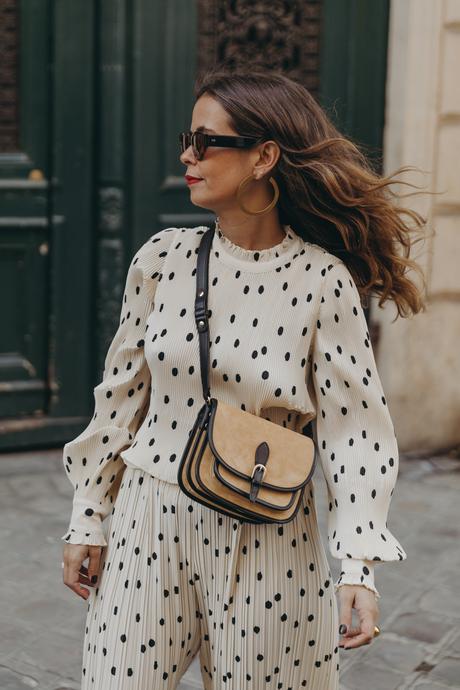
(235, 435)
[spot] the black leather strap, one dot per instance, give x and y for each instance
(201, 305)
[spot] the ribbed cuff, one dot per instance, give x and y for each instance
(356, 571)
(85, 528)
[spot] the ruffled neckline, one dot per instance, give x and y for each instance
(253, 258)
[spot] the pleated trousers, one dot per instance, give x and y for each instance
(176, 579)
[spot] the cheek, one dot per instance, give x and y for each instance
(225, 182)
(223, 171)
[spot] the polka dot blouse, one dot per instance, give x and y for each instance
(288, 342)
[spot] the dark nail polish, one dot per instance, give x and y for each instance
(94, 579)
(342, 629)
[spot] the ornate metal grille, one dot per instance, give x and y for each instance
(279, 35)
(9, 56)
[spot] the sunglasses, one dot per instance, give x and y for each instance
(200, 142)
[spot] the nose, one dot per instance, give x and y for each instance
(187, 156)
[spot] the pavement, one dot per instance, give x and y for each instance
(42, 621)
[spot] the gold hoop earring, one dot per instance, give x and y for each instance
(241, 187)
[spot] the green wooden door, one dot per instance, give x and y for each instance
(353, 69)
(89, 169)
(46, 182)
(24, 222)
(89, 161)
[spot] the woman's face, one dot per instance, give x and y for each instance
(221, 169)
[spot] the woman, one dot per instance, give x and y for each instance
(289, 341)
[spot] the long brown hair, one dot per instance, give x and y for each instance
(329, 192)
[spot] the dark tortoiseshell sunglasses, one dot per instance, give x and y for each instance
(200, 141)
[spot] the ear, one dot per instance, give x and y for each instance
(268, 156)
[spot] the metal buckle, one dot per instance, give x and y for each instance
(264, 469)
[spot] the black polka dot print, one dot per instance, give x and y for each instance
(288, 342)
(351, 402)
(178, 579)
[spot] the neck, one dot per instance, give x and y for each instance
(252, 233)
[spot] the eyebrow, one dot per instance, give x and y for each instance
(201, 128)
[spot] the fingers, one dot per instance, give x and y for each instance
(74, 573)
(365, 632)
(83, 576)
(93, 565)
(359, 639)
(346, 601)
(72, 580)
(364, 602)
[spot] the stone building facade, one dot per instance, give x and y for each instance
(418, 357)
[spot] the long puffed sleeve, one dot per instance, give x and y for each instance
(92, 460)
(354, 434)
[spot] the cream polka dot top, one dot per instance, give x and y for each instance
(288, 341)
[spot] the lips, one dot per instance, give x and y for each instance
(189, 178)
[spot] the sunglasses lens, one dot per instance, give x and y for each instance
(184, 139)
(199, 145)
(196, 140)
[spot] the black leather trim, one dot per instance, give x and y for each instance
(203, 491)
(246, 494)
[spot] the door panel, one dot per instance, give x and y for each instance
(24, 198)
(46, 213)
(23, 362)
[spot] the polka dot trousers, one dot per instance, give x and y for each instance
(256, 602)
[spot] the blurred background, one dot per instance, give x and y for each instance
(93, 94)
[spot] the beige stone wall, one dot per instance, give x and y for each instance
(418, 358)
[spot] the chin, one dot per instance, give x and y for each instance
(199, 204)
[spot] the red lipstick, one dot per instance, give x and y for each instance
(191, 180)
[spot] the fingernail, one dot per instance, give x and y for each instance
(342, 629)
(94, 579)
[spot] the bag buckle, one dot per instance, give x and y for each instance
(255, 484)
(259, 466)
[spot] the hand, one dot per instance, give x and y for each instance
(74, 572)
(365, 603)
